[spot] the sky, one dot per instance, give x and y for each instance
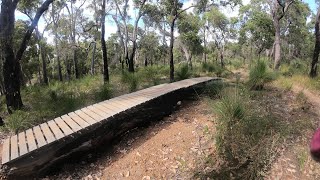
(111, 27)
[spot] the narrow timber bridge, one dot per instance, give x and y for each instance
(32, 152)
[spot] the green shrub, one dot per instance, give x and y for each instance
(19, 121)
(237, 64)
(245, 139)
(214, 88)
(131, 80)
(259, 76)
(208, 67)
(151, 73)
(219, 71)
(103, 93)
(183, 72)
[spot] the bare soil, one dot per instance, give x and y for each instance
(171, 149)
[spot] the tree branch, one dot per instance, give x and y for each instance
(34, 23)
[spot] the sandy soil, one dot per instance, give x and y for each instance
(171, 149)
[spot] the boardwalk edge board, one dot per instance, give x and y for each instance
(33, 152)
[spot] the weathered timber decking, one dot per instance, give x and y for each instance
(35, 146)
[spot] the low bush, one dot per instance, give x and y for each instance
(245, 139)
(259, 76)
(183, 72)
(131, 80)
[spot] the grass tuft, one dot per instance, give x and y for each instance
(259, 76)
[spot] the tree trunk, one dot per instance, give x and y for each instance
(145, 61)
(68, 67)
(171, 50)
(11, 66)
(103, 45)
(204, 46)
(43, 58)
(314, 63)
(277, 47)
(93, 58)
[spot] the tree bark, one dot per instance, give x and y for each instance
(204, 45)
(171, 49)
(145, 61)
(11, 66)
(279, 9)
(277, 45)
(55, 29)
(43, 58)
(314, 63)
(93, 57)
(103, 44)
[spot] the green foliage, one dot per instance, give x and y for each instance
(208, 67)
(131, 80)
(18, 121)
(296, 66)
(151, 73)
(237, 64)
(259, 76)
(213, 89)
(244, 139)
(183, 72)
(103, 93)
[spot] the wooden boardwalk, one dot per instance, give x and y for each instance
(26, 144)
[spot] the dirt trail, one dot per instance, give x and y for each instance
(170, 149)
(171, 152)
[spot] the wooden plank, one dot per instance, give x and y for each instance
(103, 114)
(131, 100)
(6, 151)
(73, 125)
(63, 126)
(105, 109)
(14, 147)
(55, 129)
(115, 102)
(78, 120)
(109, 106)
(95, 116)
(40, 136)
(22, 144)
(85, 117)
(31, 140)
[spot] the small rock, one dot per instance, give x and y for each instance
(138, 154)
(146, 178)
(127, 174)
(179, 103)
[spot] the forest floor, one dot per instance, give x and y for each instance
(180, 145)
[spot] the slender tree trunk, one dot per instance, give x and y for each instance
(68, 67)
(314, 63)
(43, 58)
(277, 45)
(103, 44)
(171, 49)
(93, 58)
(204, 46)
(145, 61)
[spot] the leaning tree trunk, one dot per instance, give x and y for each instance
(103, 44)
(314, 63)
(171, 50)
